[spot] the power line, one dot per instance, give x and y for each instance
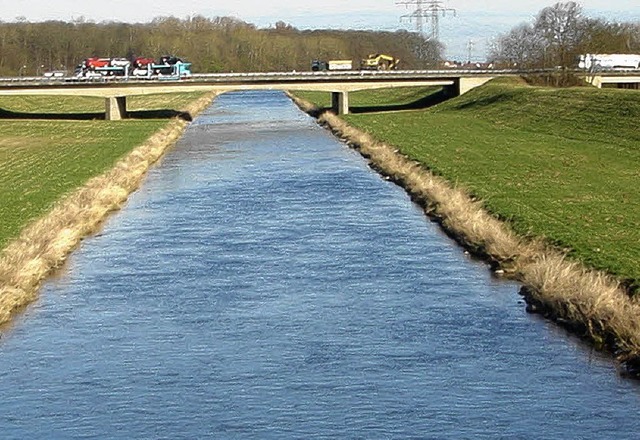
(426, 10)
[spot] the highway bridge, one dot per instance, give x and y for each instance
(339, 83)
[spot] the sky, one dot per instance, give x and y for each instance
(467, 33)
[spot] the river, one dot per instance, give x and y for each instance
(264, 283)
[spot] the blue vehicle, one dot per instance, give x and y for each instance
(167, 67)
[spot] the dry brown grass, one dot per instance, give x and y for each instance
(45, 244)
(461, 216)
(588, 302)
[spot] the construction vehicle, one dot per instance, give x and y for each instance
(318, 65)
(379, 61)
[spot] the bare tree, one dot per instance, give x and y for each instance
(560, 26)
(559, 34)
(522, 47)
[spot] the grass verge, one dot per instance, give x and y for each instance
(42, 159)
(369, 101)
(60, 179)
(550, 185)
(556, 163)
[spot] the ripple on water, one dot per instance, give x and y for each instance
(264, 283)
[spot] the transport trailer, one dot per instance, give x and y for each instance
(170, 67)
(319, 65)
(598, 62)
(166, 67)
(103, 67)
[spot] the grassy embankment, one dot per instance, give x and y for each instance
(402, 98)
(59, 178)
(561, 164)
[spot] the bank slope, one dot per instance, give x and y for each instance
(508, 157)
(557, 163)
(71, 188)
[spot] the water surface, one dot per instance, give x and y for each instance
(264, 284)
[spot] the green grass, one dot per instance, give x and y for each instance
(403, 96)
(43, 159)
(83, 104)
(558, 163)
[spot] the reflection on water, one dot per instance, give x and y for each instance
(264, 283)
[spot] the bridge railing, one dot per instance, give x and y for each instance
(274, 75)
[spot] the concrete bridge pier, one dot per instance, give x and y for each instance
(620, 82)
(463, 84)
(115, 108)
(340, 103)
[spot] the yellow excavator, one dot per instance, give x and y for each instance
(378, 61)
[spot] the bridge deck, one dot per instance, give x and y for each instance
(340, 83)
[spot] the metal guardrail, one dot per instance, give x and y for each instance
(267, 76)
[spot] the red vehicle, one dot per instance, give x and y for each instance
(142, 62)
(142, 66)
(100, 67)
(95, 62)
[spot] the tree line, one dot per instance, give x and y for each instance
(559, 35)
(219, 44)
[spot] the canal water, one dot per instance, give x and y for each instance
(263, 283)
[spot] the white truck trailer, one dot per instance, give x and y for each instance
(597, 62)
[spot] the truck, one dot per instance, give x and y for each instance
(319, 65)
(166, 67)
(599, 62)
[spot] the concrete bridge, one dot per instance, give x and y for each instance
(339, 83)
(620, 79)
(115, 90)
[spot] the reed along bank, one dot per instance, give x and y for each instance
(543, 188)
(62, 178)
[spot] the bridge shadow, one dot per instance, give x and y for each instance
(422, 103)
(91, 116)
(159, 114)
(419, 104)
(486, 101)
(8, 114)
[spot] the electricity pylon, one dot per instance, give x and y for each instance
(426, 9)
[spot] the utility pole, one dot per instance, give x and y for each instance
(426, 10)
(470, 48)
